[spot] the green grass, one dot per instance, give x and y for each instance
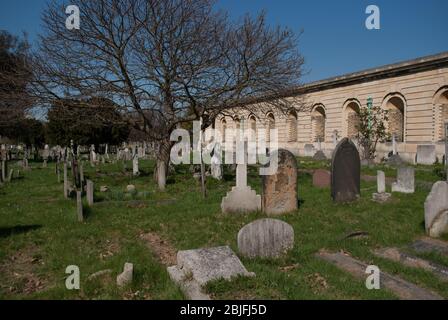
(109, 237)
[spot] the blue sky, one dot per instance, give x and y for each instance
(335, 40)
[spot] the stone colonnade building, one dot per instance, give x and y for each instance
(415, 93)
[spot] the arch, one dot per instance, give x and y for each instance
(395, 104)
(440, 107)
(270, 125)
(318, 122)
(223, 129)
(292, 125)
(351, 110)
(253, 127)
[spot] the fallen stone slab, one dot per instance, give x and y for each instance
(430, 245)
(191, 288)
(395, 254)
(195, 268)
(403, 289)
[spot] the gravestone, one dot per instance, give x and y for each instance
(381, 195)
(65, 181)
(321, 178)
(345, 172)
(89, 192)
(79, 206)
(135, 170)
(308, 150)
(280, 189)
(125, 278)
(334, 138)
(426, 154)
(405, 180)
(267, 238)
(319, 156)
(436, 210)
(45, 155)
(215, 162)
(208, 264)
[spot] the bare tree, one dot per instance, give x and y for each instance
(170, 61)
(15, 75)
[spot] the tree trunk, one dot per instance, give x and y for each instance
(163, 159)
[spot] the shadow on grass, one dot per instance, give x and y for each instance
(9, 231)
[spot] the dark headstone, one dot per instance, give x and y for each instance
(321, 178)
(280, 189)
(345, 172)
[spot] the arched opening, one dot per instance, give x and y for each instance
(253, 127)
(223, 129)
(395, 105)
(270, 125)
(351, 113)
(292, 126)
(318, 119)
(441, 113)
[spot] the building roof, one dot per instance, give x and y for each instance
(391, 70)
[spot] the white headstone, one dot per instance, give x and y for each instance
(436, 210)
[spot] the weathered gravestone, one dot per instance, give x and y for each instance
(208, 264)
(321, 178)
(280, 189)
(135, 170)
(267, 238)
(426, 154)
(436, 210)
(345, 172)
(319, 156)
(65, 180)
(89, 192)
(405, 180)
(309, 150)
(381, 195)
(79, 206)
(45, 155)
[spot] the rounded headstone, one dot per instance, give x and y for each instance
(345, 172)
(321, 178)
(266, 238)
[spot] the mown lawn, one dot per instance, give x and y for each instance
(40, 236)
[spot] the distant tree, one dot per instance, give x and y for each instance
(15, 77)
(95, 121)
(371, 129)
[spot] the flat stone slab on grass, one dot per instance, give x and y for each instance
(403, 289)
(195, 268)
(430, 245)
(395, 254)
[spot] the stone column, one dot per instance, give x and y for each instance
(79, 206)
(241, 175)
(65, 181)
(89, 192)
(394, 144)
(381, 181)
(135, 170)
